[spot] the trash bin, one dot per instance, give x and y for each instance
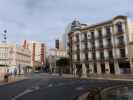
(6, 78)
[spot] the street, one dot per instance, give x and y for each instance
(50, 87)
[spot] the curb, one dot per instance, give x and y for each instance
(8, 83)
(113, 79)
(98, 78)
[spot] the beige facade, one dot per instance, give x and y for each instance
(38, 53)
(14, 56)
(102, 48)
(55, 54)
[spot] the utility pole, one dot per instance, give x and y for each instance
(5, 41)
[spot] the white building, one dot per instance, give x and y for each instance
(102, 48)
(55, 54)
(14, 56)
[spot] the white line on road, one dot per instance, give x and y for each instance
(50, 85)
(26, 92)
(79, 88)
(21, 94)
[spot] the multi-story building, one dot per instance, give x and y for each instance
(55, 54)
(14, 56)
(65, 40)
(38, 53)
(101, 48)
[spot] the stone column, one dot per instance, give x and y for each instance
(74, 70)
(131, 66)
(117, 69)
(84, 71)
(98, 68)
(107, 68)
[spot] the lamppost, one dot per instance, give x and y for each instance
(5, 41)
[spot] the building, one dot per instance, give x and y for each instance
(57, 44)
(65, 40)
(55, 54)
(14, 56)
(101, 48)
(38, 54)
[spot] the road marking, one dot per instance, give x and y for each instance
(26, 92)
(50, 85)
(79, 88)
(21, 94)
(35, 88)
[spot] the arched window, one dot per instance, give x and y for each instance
(119, 27)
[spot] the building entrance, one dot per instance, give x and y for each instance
(103, 68)
(112, 69)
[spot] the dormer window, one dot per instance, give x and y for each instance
(108, 30)
(119, 27)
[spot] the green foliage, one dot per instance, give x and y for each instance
(2, 65)
(62, 62)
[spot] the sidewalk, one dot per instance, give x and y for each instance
(12, 79)
(102, 77)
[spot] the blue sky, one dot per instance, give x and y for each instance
(46, 20)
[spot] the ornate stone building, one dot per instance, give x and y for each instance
(101, 48)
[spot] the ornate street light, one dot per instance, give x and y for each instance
(5, 41)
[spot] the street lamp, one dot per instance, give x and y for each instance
(4, 36)
(5, 41)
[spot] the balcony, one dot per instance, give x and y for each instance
(121, 45)
(108, 35)
(119, 28)
(122, 53)
(109, 45)
(100, 45)
(84, 40)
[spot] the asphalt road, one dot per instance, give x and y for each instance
(48, 87)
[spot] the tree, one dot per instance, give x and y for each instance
(63, 64)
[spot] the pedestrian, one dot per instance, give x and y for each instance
(6, 77)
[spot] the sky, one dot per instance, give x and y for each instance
(46, 20)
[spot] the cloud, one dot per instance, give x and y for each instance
(45, 20)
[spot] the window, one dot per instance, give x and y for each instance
(122, 53)
(85, 36)
(101, 43)
(109, 42)
(94, 55)
(101, 55)
(100, 33)
(110, 54)
(119, 27)
(86, 56)
(78, 57)
(121, 40)
(108, 31)
(86, 45)
(89, 36)
(92, 35)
